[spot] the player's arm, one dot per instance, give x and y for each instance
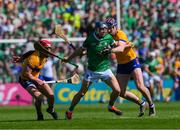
(29, 76)
(115, 48)
(17, 59)
(77, 52)
(118, 47)
(122, 44)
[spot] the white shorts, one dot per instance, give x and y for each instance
(95, 76)
(154, 79)
(146, 79)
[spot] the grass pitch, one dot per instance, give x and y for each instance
(94, 116)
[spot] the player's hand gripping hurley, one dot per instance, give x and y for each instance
(59, 32)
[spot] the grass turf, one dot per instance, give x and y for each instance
(92, 116)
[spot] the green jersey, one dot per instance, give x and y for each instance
(152, 64)
(97, 62)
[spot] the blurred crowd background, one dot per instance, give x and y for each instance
(152, 25)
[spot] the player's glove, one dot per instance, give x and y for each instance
(105, 51)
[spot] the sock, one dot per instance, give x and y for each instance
(70, 110)
(109, 107)
(151, 106)
(51, 108)
(143, 103)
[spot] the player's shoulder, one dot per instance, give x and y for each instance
(121, 35)
(33, 55)
(121, 32)
(89, 37)
(33, 58)
(108, 36)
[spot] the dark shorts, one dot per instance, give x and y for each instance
(27, 83)
(177, 78)
(45, 78)
(128, 67)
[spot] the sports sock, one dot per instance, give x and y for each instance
(143, 103)
(70, 110)
(151, 106)
(109, 106)
(51, 108)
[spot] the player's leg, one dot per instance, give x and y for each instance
(47, 91)
(151, 87)
(159, 88)
(137, 75)
(113, 83)
(123, 74)
(175, 86)
(80, 94)
(38, 100)
(32, 89)
(77, 98)
(123, 82)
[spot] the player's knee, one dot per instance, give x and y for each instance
(122, 94)
(117, 90)
(39, 98)
(81, 94)
(140, 86)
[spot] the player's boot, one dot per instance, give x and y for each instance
(142, 109)
(40, 117)
(68, 115)
(53, 113)
(152, 111)
(114, 110)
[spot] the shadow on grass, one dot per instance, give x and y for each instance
(3, 121)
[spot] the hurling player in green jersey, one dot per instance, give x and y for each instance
(98, 67)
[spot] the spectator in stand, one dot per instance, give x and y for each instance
(176, 80)
(152, 67)
(143, 51)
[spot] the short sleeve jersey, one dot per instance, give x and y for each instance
(94, 46)
(33, 62)
(128, 54)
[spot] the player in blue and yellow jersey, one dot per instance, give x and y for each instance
(31, 66)
(98, 67)
(128, 65)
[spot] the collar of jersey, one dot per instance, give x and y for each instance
(96, 36)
